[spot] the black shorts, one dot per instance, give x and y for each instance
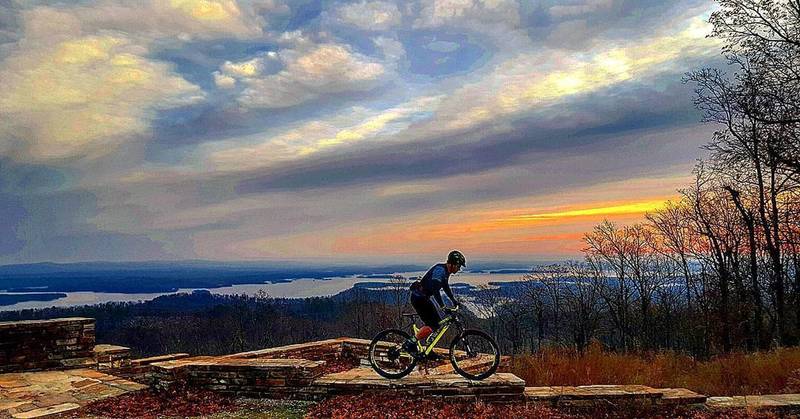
(426, 309)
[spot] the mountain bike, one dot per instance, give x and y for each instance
(473, 353)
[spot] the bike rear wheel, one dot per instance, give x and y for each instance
(474, 355)
(387, 355)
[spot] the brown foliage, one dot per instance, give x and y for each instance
(733, 374)
(391, 407)
(176, 402)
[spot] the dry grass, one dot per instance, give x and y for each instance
(394, 407)
(771, 372)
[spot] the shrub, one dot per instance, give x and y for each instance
(776, 371)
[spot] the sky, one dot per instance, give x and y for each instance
(381, 131)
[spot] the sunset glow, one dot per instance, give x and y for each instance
(621, 209)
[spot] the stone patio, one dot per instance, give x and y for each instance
(44, 393)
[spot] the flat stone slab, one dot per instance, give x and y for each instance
(159, 358)
(765, 401)
(238, 363)
(177, 363)
(334, 345)
(591, 392)
(681, 396)
(726, 402)
(44, 393)
(45, 322)
(47, 411)
(107, 349)
(565, 395)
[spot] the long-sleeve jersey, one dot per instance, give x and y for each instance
(437, 278)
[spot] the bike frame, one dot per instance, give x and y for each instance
(444, 324)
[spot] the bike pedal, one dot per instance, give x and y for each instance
(434, 357)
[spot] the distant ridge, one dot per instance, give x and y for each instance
(53, 267)
(153, 277)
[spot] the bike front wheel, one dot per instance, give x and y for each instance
(474, 355)
(387, 355)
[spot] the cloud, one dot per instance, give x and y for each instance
(369, 15)
(279, 222)
(306, 73)
(614, 208)
(585, 24)
(80, 81)
(526, 110)
(347, 129)
(585, 7)
(393, 50)
(499, 22)
(443, 12)
(528, 85)
(533, 140)
(483, 227)
(530, 82)
(187, 19)
(82, 96)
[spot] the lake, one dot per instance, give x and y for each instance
(293, 288)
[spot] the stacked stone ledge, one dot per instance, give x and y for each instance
(110, 357)
(46, 344)
(249, 377)
(501, 387)
(299, 372)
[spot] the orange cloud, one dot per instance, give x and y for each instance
(549, 232)
(620, 209)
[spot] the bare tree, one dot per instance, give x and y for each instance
(399, 295)
(608, 249)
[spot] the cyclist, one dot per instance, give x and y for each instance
(430, 285)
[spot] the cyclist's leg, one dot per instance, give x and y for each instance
(428, 313)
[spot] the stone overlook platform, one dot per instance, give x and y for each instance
(309, 371)
(46, 393)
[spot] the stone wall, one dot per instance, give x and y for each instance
(355, 348)
(299, 371)
(250, 377)
(46, 344)
(141, 370)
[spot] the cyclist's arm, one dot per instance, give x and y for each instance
(449, 293)
(438, 297)
(439, 275)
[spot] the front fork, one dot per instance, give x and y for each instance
(468, 350)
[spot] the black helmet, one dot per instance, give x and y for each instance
(456, 258)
